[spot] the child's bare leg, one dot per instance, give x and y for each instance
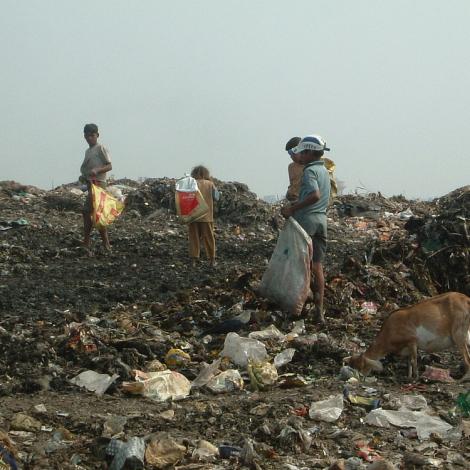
(87, 227)
(104, 237)
(318, 290)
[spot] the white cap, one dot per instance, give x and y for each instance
(311, 142)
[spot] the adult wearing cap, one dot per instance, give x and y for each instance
(310, 209)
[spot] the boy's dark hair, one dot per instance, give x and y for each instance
(291, 143)
(200, 173)
(90, 129)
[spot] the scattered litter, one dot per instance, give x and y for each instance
(240, 350)
(159, 386)
(93, 381)
(128, 454)
(423, 422)
(284, 357)
(226, 382)
(262, 374)
(163, 451)
(176, 358)
(328, 410)
(434, 374)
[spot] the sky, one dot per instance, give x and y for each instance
(174, 84)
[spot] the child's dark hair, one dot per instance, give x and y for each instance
(200, 173)
(90, 129)
(291, 143)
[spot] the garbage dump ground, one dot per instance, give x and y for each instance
(127, 359)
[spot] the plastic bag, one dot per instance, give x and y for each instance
(94, 382)
(425, 424)
(227, 381)
(159, 386)
(190, 204)
(105, 207)
(327, 410)
(240, 350)
(287, 278)
(128, 454)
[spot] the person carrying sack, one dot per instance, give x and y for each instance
(202, 230)
(96, 164)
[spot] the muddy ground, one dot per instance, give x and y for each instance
(144, 298)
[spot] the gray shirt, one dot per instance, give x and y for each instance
(95, 157)
(314, 178)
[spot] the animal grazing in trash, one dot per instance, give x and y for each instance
(432, 325)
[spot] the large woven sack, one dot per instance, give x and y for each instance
(287, 278)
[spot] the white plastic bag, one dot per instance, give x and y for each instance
(327, 410)
(239, 350)
(227, 381)
(287, 278)
(159, 386)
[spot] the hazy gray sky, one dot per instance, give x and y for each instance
(226, 83)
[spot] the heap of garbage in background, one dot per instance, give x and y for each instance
(136, 358)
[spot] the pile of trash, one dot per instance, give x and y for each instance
(444, 241)
(237, 204)
(136, 359)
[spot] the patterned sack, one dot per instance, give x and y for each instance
(190, 204)
(105, 207)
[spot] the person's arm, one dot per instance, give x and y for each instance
(289, 195)
(310, 185)
(107, 166)
(101, 169)
(311, 198)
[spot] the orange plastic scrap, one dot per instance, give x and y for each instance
(366, 453)
(302, 411)
(81, 338)
(437, 375)
(414, 388)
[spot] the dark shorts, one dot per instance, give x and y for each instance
(88, 205)
(318, 234)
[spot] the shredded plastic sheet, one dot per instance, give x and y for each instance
(423, 422)
(287, 278)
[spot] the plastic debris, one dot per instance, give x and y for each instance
(328, 410)
(284, 357)
(368, 402)
(424, 423)
(227, 451)
(113, 426)
(435, 374)
(225, 382)
(409, 402)
(240, 350)
(128, 454)
(262, 374)
(163, 451)
(204, 452)
(23, 422)
(159, 386)
(176, 358)
(93, 381)
(269, 333)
